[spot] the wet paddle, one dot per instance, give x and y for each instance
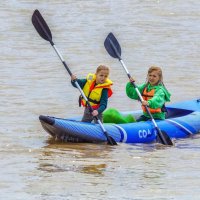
(114, 50)
(44, 31)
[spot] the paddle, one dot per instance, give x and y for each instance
(114, 50)
(44, 31)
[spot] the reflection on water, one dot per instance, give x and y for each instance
(76, 156)
(94, 169)
(51, 168)
(88, 169)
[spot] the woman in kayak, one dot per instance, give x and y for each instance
(154, 94)
(97, 89)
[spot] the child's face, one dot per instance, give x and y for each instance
(153, 78)
(101, 76)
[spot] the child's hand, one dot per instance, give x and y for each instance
(131, 79)
(95, 113)
(145, 103)
(73, 77)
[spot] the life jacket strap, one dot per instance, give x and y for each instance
(90, 100)
(79, 100)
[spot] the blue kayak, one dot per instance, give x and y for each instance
(183, 120)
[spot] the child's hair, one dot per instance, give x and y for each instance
(102, 67)
(157, 69)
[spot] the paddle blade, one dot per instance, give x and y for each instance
(163, 138)
(112, 46)
(111, 141)
(41, 26)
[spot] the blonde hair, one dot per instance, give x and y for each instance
(159, 71)
(102, 67)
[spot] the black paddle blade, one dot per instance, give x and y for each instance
(41, 26)
(111, 141)
(112, 46)
(163, 138)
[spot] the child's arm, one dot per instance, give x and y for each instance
(131, 92)
(81, 82)
(103, 101)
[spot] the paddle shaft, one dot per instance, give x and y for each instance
(81, 91)
(114, 50)
(45, 33)
(141, 100)
(110, 141)
(63, 61)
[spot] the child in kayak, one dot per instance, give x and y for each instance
(153, 92)
(97, 89)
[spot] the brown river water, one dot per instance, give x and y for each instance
(33, 81)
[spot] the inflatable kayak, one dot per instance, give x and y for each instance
(183, 120)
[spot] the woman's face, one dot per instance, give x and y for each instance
(101, 76)
(153, 78)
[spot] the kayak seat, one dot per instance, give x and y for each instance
(177, 112)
